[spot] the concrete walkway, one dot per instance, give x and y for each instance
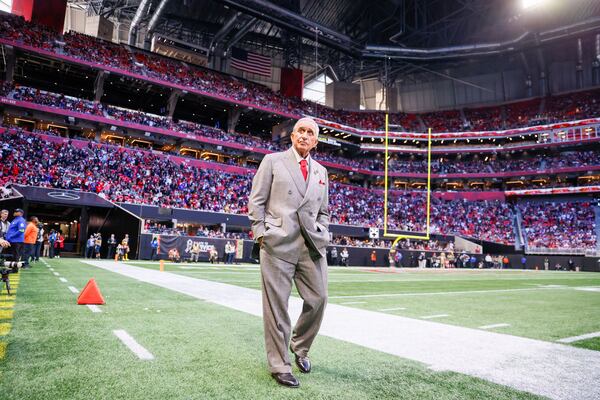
(543, 368)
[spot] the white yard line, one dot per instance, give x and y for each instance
(580, 337)
(56, 274)
(133, 345)
(435, 316)
(392, 309)
(94, 308)
(74, 289)
(521, 363)
(494, 326)
(63, 280)
(354, 302)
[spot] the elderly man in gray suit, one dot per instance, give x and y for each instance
(288, 209)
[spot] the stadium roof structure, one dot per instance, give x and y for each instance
(355, 37)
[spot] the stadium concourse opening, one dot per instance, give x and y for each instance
(77, 215)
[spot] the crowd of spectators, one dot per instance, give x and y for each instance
(136, 176)
(552, 225)
(397, 163)
(87, 48)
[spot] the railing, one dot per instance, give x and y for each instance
(543, 250)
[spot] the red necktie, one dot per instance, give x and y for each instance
(304, 169)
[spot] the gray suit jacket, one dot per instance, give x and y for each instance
(285, 210)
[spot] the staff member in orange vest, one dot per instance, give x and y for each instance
(31, 233)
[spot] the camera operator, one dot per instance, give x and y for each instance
(15, 234)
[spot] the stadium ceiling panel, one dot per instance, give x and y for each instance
(356, 37)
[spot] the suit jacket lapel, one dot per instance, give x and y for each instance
(294, 169)
(313, 181)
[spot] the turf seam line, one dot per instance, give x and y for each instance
(137, 349)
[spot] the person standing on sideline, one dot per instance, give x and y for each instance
(89, 247)
(29, 239)
(288, 209)
(112, 246)
(4, 223)
(154, 247)
(98, 245)
(16, 234)
(334, 256)
(59, 244)
(51, 242)
(39, 242)
(46, 251)
(229, 252)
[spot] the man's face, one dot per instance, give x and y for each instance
(17, 214)
(304, 139)
(4, 215)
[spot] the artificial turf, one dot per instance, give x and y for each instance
(536, 304)
(59, 350)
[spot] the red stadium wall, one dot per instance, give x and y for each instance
(292, 82)
(46, 12)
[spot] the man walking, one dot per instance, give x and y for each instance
(288, 208)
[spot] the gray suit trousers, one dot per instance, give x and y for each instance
(310, 278)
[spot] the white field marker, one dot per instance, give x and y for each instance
(134, 346)
(56, 274)
(51, 269)
(94, 308)
(74, 289)
(354, 302)
(578, 338)
(435, 316)
(63, 280)
(393, 309)
(494, 326)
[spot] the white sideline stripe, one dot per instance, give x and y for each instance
(393, 309)
(56, 274)
(436, 293)
(589, 289)
(580, 337)
(94, 308)
(354, 302)
(63, 280)
(435, 316)
(74, 289)
(494, 326)
(518, 362)
(133, 345)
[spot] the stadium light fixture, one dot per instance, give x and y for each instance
(531, 4)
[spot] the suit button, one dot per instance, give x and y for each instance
(318, 199)
(289, 192)
(310, 213)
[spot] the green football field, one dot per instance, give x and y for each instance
(51, 348)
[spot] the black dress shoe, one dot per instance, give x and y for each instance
(286, 379)
(303, 364)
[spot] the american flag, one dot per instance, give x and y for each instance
(250, 62)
